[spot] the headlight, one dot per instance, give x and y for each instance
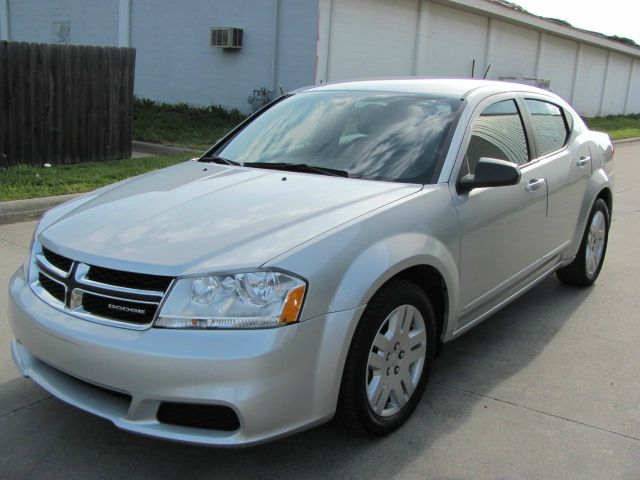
(242, 300)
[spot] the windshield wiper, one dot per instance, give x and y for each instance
(298, 167)
(219, 160)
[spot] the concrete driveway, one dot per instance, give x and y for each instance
(547, 388)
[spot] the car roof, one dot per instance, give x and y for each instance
(448, 87)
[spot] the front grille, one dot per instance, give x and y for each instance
(140, 281)
(98, 294)
(114, 394)
(55, 289)
(56, 260)
(210, 417)
(117, 309)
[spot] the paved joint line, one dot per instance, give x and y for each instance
(537, 411)
(11, 412)
(13, 243)
(624, 217)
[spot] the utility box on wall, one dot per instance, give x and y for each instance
(534, 82)
(226, 37)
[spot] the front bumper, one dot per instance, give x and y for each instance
(277, 381)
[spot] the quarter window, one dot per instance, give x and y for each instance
(549, 126)
(498, 133)
(569, 119)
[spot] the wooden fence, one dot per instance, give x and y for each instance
(64, 104)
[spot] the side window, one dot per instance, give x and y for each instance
(549, 126)
(569, 118)
(498, 133)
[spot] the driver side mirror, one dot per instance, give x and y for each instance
(490, 172)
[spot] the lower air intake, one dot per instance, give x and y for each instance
(209, 417)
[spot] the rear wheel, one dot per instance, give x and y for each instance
(586, 267)
(389, 361)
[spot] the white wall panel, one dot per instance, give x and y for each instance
(557, 63)
(89, 22)
(175, 62)
(633, 101)
(322, 44)
(589, 80)
(513, 51)
(372, 38)
(454, 38)
(616, 86)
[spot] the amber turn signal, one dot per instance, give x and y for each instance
(292, 305)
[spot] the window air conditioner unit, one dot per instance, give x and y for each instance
(226, 37)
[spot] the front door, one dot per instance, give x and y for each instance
(500, 227)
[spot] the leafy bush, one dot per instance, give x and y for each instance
(181, 124)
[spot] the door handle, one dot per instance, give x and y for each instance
(535, 183)
(583, 161)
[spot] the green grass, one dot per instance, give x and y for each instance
(182, 124)
(617, 126)
(25, 181)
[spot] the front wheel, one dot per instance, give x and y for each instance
(586, 267)
(389, 361)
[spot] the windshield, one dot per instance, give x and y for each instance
(377, 136)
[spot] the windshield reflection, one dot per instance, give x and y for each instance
(379, 136)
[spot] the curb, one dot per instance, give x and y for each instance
(626, 140)
(157, 149)
(15, 211)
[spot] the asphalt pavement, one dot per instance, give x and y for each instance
(548, 388)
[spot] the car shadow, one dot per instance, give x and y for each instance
(467, 369)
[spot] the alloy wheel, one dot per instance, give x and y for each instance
(595, 243)
(396, 360)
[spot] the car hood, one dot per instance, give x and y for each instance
(196, 217)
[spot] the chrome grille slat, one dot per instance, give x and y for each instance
(95, 301)
(46, 291)
(81, 277)
(89, 306)
(128, 279)
(46, 265)
(58, 261)
(144, 302)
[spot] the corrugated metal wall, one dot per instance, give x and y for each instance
(365, 38)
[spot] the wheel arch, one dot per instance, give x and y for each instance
(434, 285)
(606, 195)
(599, 186)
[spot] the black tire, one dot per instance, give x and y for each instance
(576, 272)
(354, 408)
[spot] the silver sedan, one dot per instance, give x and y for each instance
(313, 261)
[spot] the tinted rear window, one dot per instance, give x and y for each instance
(549, 127)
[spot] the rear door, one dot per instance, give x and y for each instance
(500, 227)
(568, 163)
